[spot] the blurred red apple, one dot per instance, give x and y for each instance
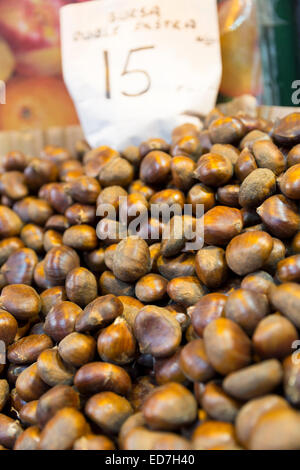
(31, 27)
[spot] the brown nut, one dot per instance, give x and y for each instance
(57, 222)
(209, 308)
(248, 252)
(291, 379)
(259, 282)
(93, 442)
(61, 319)
(246, 308)
(250, 413)
(280, 216)
(101, 376)
(14, 161)
(140, 438)
(19, 267)
(155, 167)
(30, 385)
(117, 171)
(221, 224)
(229, 195)
(81, 237)
(194, 362)
(268, 155)
(254, 381)
(109, 284)
(131, 260)
(276, 429)
(81, 286)
(28, 413)
(218, 405)
(77, 349)
(28, 349)
(59, 262)
(13, 373)
(293, 157)
(10, 223)
(9, 246)
(182, 169)
(188, 145)
(85, 190)
(32, 210)
(245, 165)
(10, 430)
(32, 236)
(288, 270)
(252, 137)
(226, 150)
(39, 172)
(169, 407)
(257, 187)
(60, 433)
(286, 131)
(296, 244)
(51, 240)
(151, 145)
(157, 331)
(211, 266)
(227, 346)
(52, 370)
(21, 301)
(214, 170)
(168, 370)
(131, 308)
(278, 253)
(101, 312)
(8, 327)
(289, 183)
(55, 399)
(274, 337)
(286, 299)
(226, 130)
(201, 194)
(116, 343)
(95, 260)
(81, 214)
(51, 297)
(180, 266)
(29, 439)
(4, 393)
(212, 434)
(151, 288)
(109, 411)
(140, 391)
(185, 291)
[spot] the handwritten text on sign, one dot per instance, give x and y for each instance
(132, 70)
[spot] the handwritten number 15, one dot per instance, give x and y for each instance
(127, 71)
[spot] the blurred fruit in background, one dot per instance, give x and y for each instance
(240, 48)
(31, 27)
(37, 102)
(30, 64)
(7, 61)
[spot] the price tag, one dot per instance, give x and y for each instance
(133, 68)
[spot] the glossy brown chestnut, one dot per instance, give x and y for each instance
(227, 347)
(98, 377)
(116, 343)
(157, 331)
(274, 337)
(169, 407)
(248, 252)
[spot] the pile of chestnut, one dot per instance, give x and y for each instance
(142, 344)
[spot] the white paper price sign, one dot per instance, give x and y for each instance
(134, 67)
